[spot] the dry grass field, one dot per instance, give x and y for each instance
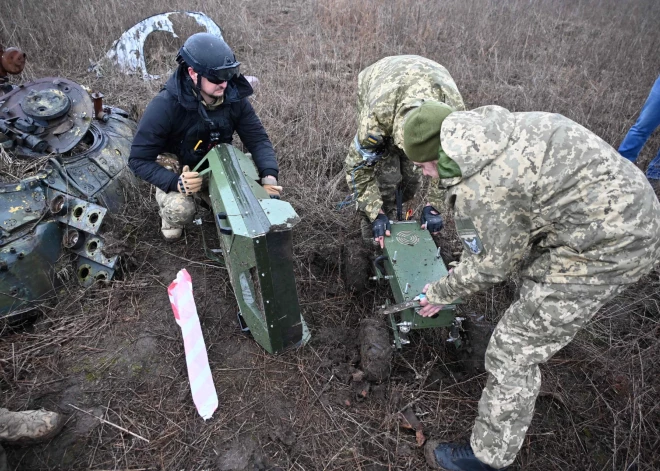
(115, 350)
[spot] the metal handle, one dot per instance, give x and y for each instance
(224, 229)
(379, 263)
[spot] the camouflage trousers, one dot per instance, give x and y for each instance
(543, 320)
(435, 195)
(397, 171)
(176, 209)
(393, 172)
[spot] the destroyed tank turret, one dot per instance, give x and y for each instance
(80, 148)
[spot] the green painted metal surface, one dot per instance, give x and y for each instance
(257, 245)
(412, 260)
(27, 268)
(82, 176)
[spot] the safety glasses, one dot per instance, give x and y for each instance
(218, 76)
(215, 80)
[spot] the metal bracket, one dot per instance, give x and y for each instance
(82, 215)
(404, 327)
(455, 332)
(88, 271)
(92, 249)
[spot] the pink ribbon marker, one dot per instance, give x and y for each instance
(199, 372)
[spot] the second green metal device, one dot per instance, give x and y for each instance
(257, 247)
(410, 260)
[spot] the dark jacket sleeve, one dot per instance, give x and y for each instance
(253, 135)
(150, 140)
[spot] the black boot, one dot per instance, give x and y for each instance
(453, 457)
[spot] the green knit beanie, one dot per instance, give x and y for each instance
(421, 131)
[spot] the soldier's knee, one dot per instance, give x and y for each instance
(389, 182)
(500, 358)
(175, 208)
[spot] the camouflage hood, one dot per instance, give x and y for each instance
(394, 86)
(541, 188)
(474, 139)
(387, 91)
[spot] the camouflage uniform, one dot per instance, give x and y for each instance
(539, 181)
(387, 90)
(175, 208)
(27, 427)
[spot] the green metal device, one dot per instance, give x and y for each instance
(257, 248)
(410, 260)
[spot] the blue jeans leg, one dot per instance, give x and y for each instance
(648, 121)
(653, 170)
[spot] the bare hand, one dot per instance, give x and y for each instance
(189, 182)
(269, 184)
(273, 191)
(428, 309)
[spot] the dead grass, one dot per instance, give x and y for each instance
(115, 350)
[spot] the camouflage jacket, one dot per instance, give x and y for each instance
(387, 90)
(541, 188)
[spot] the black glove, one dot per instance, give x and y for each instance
(431, 217)
(380, 225)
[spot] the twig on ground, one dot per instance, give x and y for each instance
(109, 423)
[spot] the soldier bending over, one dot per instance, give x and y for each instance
(539, 182)
(376, 165)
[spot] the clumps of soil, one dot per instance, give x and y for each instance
(375, 350)
(245, 454)
(355, 266)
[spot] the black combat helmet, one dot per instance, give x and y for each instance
(210, 57)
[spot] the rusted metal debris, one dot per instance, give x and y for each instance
(410, 421)
(12, 61)
(58, 206)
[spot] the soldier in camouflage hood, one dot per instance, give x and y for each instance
(538, 187)
(376, 164)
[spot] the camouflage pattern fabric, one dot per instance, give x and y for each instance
(540, 180)
(388, 186)
(397, 170)
(169, 161)
(176, 209)
(387, 91)
(437, 197)
(541, 190)
(533, 329)
(29, 426)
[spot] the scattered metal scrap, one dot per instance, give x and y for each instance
(128, 51)
(85, 146)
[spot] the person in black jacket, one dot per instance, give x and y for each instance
(202, 104)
